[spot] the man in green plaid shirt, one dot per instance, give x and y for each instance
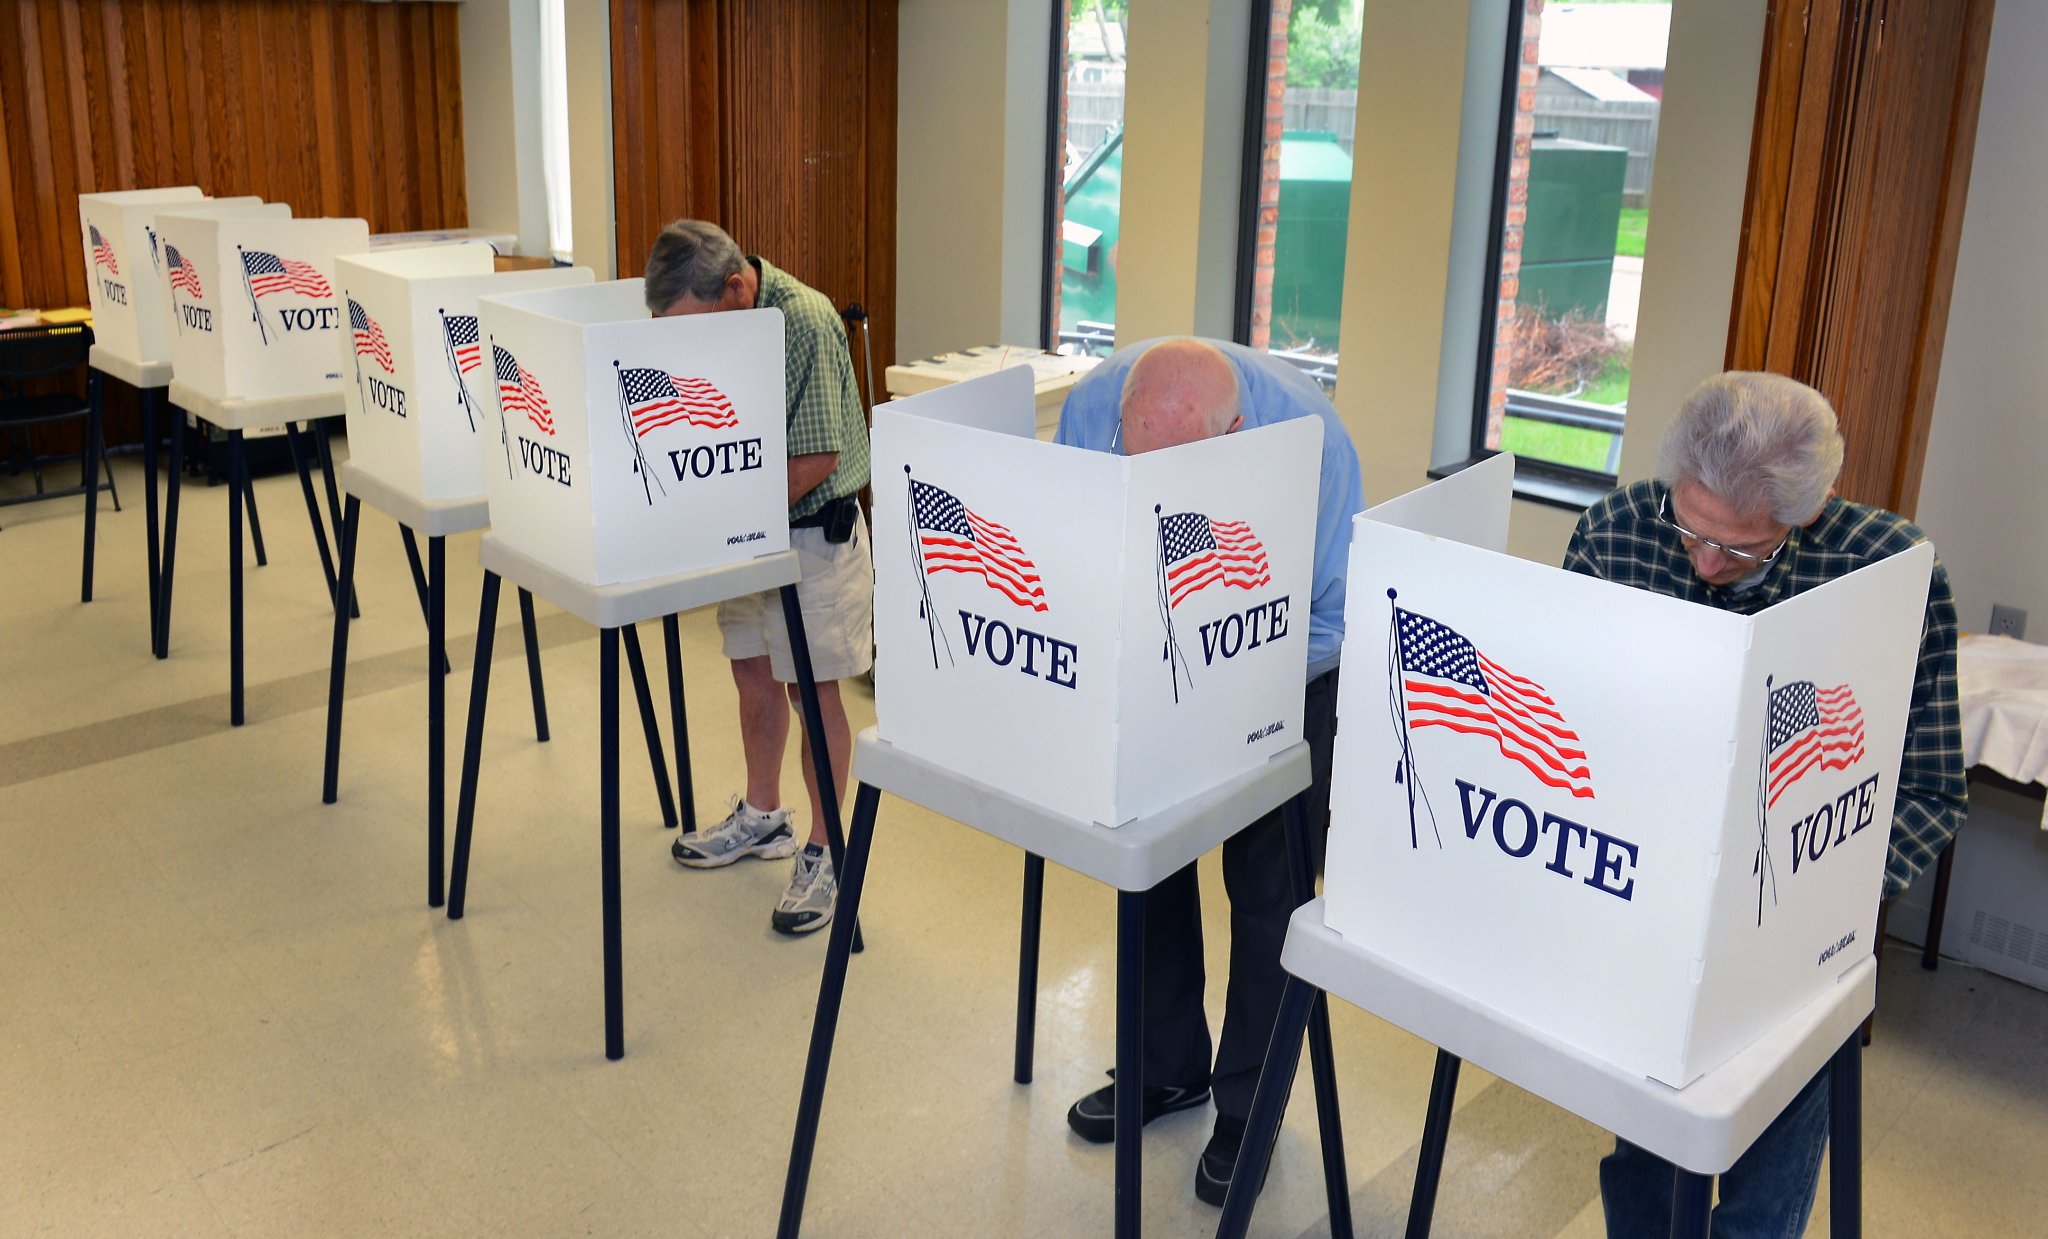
(1742, 516)
(694, 269)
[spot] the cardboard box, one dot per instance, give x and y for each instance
(417, 376)
(123, 270)
(628, 447)
(1649, 828)
(1101, 635)
(260, 316)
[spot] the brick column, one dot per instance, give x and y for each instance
(1517, 215)
(1269, 175)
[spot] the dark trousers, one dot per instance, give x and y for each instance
(1255, 877)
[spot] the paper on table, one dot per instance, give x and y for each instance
(2003, 686)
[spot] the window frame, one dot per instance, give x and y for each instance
(1251, 162)
(1540, 481)
(1054, 207)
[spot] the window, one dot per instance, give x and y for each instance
(1085, 163)
(554, 127)
(1581, 89)
(1300, 106)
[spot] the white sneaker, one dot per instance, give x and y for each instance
(746, 831)
(812, 893)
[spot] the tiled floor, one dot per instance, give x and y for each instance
(226, 1009)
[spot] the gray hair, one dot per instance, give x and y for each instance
(691, 258)
(1756, 441)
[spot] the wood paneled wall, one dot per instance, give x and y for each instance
(1860, 162)
(776, 120)
(338, 107)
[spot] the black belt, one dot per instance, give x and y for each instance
(822, 518)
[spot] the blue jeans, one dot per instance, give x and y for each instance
(1766, 1194)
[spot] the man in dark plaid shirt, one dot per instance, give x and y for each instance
(1742, 516)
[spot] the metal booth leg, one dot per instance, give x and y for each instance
(831, 988)
(1262, 1128)
(313, 520)
(1436, 1133)
(419, 579)
(437, 712)
(1027, 965)
(679, 724)
(533, 684)
(814, 731)
(1692, 1202)
(255, 521)
(1845, 1140)
(168, 573)
(318, 429)
(473, 743)
(644, 695)
(150, 396)
(337, 670)
(237, 492)
(1930, 955)
(1130, 1060)
(608, 841)
(1321, 1054)
(95, 434)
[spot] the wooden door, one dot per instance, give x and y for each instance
(776, 120)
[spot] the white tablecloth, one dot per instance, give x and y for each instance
(2003, 685)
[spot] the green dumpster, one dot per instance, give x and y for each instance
(1568, 240)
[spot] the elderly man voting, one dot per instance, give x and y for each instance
(694, 269)
(1158, 394)
(1742, 515)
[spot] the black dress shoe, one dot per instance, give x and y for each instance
(1219, 1161)
(1093, 1118)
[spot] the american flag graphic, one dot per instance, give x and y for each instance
(462, 341)
(270, 274)
(952, 537)
(184, 275)
(519, 390)
(657, 398)
(1447, 682)
(103, 251)
(1199, 552)
(370, 341)
(1811, 727)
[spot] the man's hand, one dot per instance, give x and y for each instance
(806, 473)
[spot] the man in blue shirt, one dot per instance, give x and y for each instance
(1163, 393)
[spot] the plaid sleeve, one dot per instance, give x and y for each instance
(1578, 556)
(818, 376)
(1933, 795)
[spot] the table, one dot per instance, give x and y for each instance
(1701, 1128)
(612, 608)
(1133, 857)
(150, 379)
(1054, 375)
(236, 417)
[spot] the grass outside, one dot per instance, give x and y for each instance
(1611, 385)
(1635, 225)
(1560, 445)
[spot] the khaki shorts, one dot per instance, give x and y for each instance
(837, 597)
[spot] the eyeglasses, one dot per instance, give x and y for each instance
(1747, 557)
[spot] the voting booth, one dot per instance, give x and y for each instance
(1142, 620)
(415, 381)
(626, 447)
(123, 262)
(1651, 829)
(188, 302)
(255, 302)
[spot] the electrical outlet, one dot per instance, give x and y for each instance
(2008, 621)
